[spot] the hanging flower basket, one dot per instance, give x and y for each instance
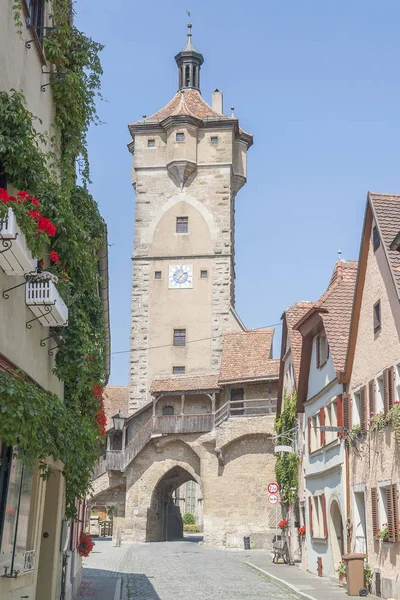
(86, 545)
(45, 302)
(15, 256)
(283, 524)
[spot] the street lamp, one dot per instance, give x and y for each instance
(119, 421)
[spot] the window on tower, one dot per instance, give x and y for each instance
(178, 370)
(179, 337)
(180, 136)
(151, 143)
(203, 274)
(182, 224)
(214, 140)
(157, 274)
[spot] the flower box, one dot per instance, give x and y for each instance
(46, 303)
(15, 256)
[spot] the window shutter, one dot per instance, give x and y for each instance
(310, 515)
(395, 507)
(325, 520)
(371, 396)
(322, 437)
(375, 511)
(317, 346)
(347, 411)
(390, 520)
(309, 434)
(385, 391)
(390, 387)
(363, 410)
(339, 414)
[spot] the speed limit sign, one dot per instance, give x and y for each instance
(273, 488)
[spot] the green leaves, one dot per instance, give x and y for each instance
(286, 465)
(39, 422)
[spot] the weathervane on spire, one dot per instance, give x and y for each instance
(189, 24)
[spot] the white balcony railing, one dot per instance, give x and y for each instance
(45, 302)
(15, 256)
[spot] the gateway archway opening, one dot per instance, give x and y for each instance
(164, 518)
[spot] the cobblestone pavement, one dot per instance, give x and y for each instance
(182, 570)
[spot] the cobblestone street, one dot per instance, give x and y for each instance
(174, 571)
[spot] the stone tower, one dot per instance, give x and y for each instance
(189, 162)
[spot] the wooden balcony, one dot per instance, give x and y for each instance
(183, 423)
(245, 408)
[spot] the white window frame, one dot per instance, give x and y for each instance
(315, 432)
(331, 421)
(397, 382)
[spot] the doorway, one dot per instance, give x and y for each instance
(360, 523)
(336, 535)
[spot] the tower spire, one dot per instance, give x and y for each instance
(189, 62)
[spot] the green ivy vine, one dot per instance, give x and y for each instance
(286, 465)
(44, 164)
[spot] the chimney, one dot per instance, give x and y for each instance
(217, 102)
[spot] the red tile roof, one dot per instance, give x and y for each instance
(187, 102)
(335, 307)
(386, 209)
(246, 356)
(116, 398)
(293, 315)
(185, 383)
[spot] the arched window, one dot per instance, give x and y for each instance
(167, 410)
(187, 76)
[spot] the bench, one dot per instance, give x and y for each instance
(280, 550)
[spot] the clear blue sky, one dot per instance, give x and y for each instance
(317, 84)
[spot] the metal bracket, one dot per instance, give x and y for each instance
(12, 575)
(50, 352)
(7, 243)
(29, 42)
(58, 78)
(47, 308)
(28, 277)
(42, 342)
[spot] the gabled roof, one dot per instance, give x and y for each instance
(386, 210)
(246, 356)
(116, 398)
(335, 309)
(185, 383)
(292, 315)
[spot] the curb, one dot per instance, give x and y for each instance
(282, 582)
(118, 589)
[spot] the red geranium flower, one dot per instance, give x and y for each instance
(4, 196)
(35, 214)
(98, 390)
(35, 201)
(51, 229)
(54, 256)
(23, 195)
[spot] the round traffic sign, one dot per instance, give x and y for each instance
(273, 499)
(273, 488)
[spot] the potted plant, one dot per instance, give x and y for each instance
(302, 531)
(342, 570)
(283, 525)
(383, 534)
(85, 545)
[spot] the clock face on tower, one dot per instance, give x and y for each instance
(180, 276)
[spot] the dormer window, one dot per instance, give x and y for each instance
(321, 350)
(180, 136)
